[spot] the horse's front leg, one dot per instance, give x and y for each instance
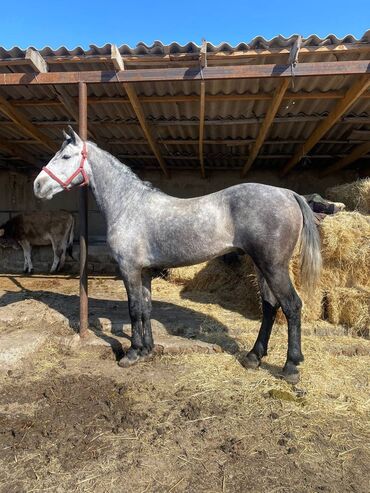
(133, 284)
(148, 342)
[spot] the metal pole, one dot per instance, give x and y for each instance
(83, 209)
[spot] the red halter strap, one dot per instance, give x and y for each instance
(79, 170)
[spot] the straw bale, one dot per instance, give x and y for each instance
(349, 307)
(355, 195)
(345, 242)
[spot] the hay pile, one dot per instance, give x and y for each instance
(355, 195)
(343, 296)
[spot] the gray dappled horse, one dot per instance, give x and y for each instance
(148, 229)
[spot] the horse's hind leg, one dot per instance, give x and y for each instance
(132, 281)
(270, 306)
(148, 342)
(280, 284)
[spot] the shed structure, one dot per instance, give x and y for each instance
(284, 105)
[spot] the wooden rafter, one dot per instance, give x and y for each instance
(267, 122)
(203, 64)
(39, 65)
(22, 122)
(356, 67)
(342, 106)
(135, 103)
(36, 61)
(357, 153)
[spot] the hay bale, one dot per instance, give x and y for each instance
(355, 195)
(345, 240)
(349, 307)
(233, 286)
(182, 275)
(345, 246)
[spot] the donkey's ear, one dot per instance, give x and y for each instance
(72, 135)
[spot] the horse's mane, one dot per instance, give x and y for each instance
(124, 169)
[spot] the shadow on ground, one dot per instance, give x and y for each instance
(168, 317)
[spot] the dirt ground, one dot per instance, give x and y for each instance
(72, 420)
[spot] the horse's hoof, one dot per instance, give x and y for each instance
(129, 359)
(126, 362)
(290, 374)
(250, 361)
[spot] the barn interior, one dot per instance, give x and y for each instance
(192, 119)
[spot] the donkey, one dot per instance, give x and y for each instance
(148, 229)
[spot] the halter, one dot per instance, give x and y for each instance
(79, 170)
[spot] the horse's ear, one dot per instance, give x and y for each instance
(73, 135)
(65, 135)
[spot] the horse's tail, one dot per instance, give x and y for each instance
(310, 250)
(69, 249)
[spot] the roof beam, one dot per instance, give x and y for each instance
(135, 103)
(25, 125)
(36, 61)
(342, 106)
(357, 153)
(203, 65)
(357, 67)
(221, 56)
(266, 125)
(185, 98)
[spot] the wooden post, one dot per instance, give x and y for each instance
(83, 209)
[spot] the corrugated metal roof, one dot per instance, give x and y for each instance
(114, 124)
(158, 48)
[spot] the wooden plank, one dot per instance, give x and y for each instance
(358, 67)
(136, 106)
(266, 125)
(36, 61)
(131, 93)
(357, 153)
(25, 125)
(117, 58)
(341, 107)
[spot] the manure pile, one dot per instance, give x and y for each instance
(343, 295)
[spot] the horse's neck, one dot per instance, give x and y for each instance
(115, 189)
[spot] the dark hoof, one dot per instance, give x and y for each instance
(290, 374)
(250, 361)
(129, 359)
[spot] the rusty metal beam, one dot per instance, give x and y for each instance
(312, 69)
(83, 215)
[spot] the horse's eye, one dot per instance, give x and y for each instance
(65, 156)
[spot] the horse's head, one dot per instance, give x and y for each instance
(65, 170)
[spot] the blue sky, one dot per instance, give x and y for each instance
(81, 23)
